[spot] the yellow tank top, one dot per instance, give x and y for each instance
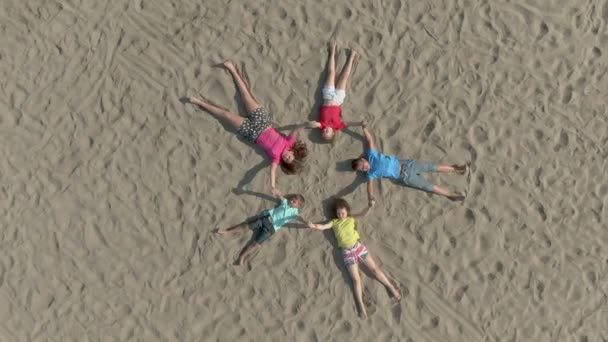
(345, 232)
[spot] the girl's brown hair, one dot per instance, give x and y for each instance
(340, 203)
(300, 151)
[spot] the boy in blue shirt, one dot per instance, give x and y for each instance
(266, 223)
(407, 172)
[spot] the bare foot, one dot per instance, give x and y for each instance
(200, 101)
(194, 99)
(396, 294)
(363, 313)
(228, 64)
(457, 197)
(221, 231)
(354, 53)
(462, 169)
(331, 47)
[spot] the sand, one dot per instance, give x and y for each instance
(111, 187)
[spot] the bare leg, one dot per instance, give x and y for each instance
(353, 270)
(239, 228)
(346, 71)
(444, 192)
(251, 247)
(460, 169)
(331, 65)
(220, 113)
(246, 95)
(379, 274)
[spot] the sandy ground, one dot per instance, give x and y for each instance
(110, 187)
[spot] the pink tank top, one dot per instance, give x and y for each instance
(274, 143)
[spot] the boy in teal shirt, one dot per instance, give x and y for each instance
(406, 172)
(266, 223)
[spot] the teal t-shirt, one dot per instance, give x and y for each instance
(381, 165)
(282, 214)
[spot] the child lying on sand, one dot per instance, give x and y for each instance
(266, 223)
(353, 251)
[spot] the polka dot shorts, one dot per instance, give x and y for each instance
(255, 123)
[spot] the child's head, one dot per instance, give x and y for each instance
(296, 201)
(292, 160)
(328, 134)
(360, 164)
(341, 208)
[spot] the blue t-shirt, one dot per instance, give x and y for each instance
(381, 165)
(282, 214)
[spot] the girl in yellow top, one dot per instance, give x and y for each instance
(353, 251)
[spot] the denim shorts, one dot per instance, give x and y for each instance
(410, 174)
(262, 228)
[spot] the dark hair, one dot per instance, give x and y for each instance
(340, 203)
(300, 151)
(300, 199)
(355, 163)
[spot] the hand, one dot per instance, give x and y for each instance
(311, 225)
(364, 124)
(275, 191)
(371, 202)
(314, 124)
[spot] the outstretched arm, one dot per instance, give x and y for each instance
(300, 219)
(368, 136)
(354, 123)
(278, 194)
(370, 192)
(314, 124)
(365, 211)
(273, 176)
(298, 129)
(319, 226)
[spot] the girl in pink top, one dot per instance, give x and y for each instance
(330, 113)
(284, 151)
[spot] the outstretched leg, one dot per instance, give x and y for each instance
(220, 113)
(330, 81)
(346, 71)
(246, 95)
(251, 247)
(415, 180)
(444, 192)
(460, 169)
(353, 270)
(371, 264)
(239, 228)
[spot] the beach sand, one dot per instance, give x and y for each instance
(111, 187)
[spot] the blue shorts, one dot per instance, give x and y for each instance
(410, 174)
(262, 227)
